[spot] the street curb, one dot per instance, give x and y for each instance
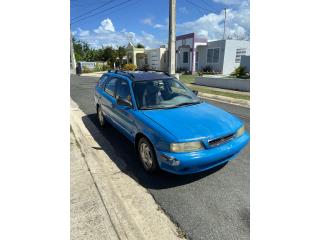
(131, 208)
(229, 100)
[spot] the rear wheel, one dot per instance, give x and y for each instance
(102, 121)
(147, 155)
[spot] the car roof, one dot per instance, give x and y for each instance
(142, 75)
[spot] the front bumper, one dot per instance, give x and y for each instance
(193, 162)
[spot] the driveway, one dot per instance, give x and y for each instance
(210, 205)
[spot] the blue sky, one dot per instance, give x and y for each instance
(147, 21)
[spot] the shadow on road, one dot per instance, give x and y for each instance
(121, 150)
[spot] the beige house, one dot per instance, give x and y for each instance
(135, 55)
(155, 59)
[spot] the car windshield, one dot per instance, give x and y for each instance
(164, 93)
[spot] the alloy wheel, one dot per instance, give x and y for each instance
(146, 155)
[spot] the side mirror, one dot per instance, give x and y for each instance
(124, 102)
(195, 92)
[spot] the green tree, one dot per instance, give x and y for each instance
(121, 53)
(139, 45)
(110, 55)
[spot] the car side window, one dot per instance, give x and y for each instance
(123, 90)
(102, 81)
(110, 86)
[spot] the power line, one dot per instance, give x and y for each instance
(92, 10)
(206, 3)
(198, 6)
(97, 13)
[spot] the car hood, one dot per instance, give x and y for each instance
(195, 121)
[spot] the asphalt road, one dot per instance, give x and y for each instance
(210, 205)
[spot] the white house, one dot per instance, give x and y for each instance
(223, 56)
(157, 58)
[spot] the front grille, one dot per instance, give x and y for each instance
(219, 141)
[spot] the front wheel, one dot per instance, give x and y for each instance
(147, 155)
(101, 119)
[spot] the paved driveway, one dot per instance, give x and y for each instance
(210, 205)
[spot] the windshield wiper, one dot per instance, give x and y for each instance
(151, 108)
(186, 103)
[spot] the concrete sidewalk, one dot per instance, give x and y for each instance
(106, 203)
(89, 218)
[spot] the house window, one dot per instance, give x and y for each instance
(185, 57)
(213, 55)
(240, 52)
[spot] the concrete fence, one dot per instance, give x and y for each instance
(224, 82)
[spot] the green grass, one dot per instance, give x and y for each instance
(189, 79)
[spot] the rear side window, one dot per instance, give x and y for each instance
(110, 86)
(123, 90)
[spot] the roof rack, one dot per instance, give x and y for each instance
(122, 72)
(166, 73)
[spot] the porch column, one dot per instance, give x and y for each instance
(134, 60)
(193, 66)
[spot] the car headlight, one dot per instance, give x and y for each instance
(185, 147)
(239, 132)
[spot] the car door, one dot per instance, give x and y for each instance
(107, 99)
(99, 89)
(124, 114)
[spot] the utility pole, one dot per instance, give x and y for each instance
(72, 57)
(224, 24)
(172, 37)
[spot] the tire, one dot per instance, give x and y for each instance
(101, 119)
(147, 155)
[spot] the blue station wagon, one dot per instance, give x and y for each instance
(170, 127)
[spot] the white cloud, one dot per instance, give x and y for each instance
(147, 21)
(159, 26)
(83, 33)
(211, 25)
(183, 10)
(203, 33)
(148, 40)
(106, 35)
(105, 26)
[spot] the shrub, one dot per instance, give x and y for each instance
(207, 69)
(239, 72)
(105, 67)
(129, 67)
(183, 70)
(86, 70)
(145, 67)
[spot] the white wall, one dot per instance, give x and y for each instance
(230, 54)
(203, 55)
(226, 83)
(227, 59)
(156, 58)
